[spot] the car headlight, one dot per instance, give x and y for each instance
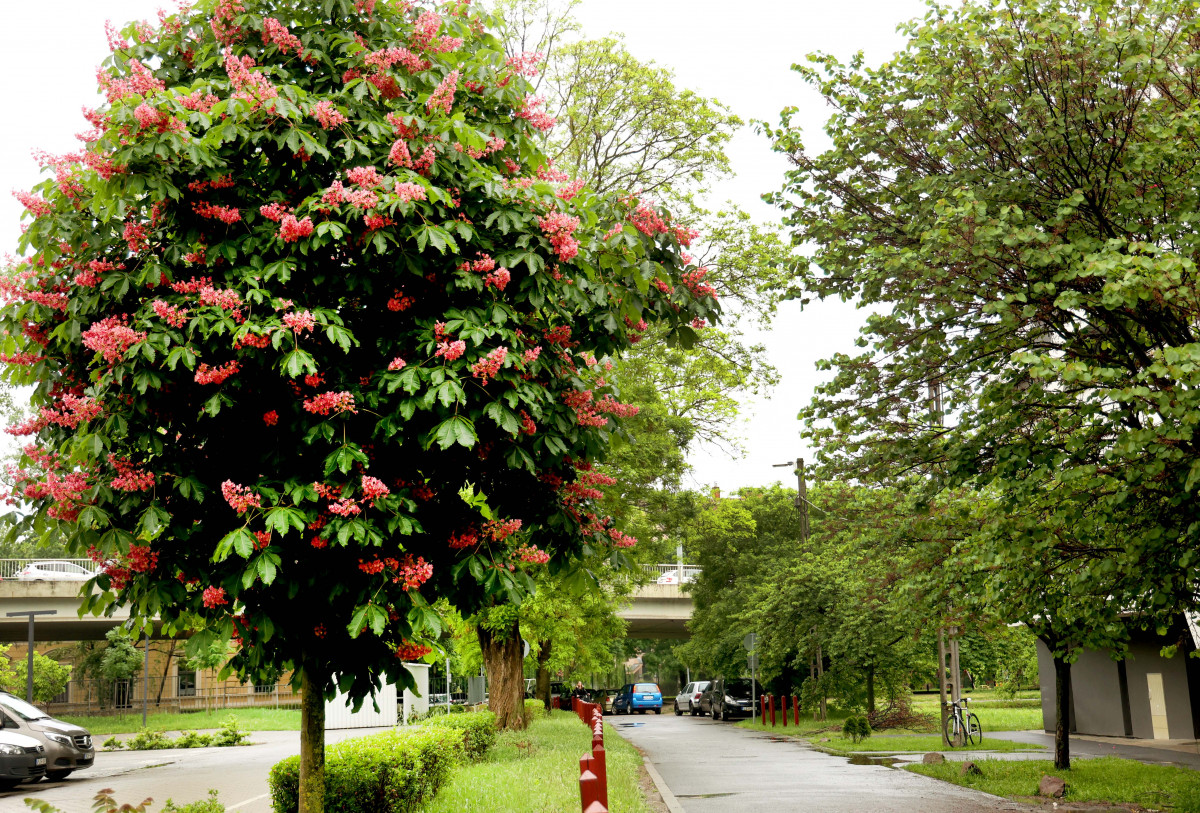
(729, 699)
(11, 749)
(59, 738)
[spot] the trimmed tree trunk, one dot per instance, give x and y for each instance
(166, 669)
(1062, 713)
(542, 687)
(312, 744)
(870, 690)
(502, 660)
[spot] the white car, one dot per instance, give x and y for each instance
(672, 577)
(53, 572)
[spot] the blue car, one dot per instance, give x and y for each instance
(639, 697)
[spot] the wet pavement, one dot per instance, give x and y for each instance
(1185, 753)
(713, 767)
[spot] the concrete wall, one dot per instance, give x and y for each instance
(1144, 659)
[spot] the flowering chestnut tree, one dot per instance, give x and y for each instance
(317, 336)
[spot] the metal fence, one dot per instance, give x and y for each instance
(680, 571)
(10, 567)
(177, 693)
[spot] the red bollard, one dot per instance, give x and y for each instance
(600, 768)
(783, 700)
(796, 708)
(771, 703)
(762, 705)
(589, 783)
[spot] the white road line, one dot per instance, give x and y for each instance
(248, 801)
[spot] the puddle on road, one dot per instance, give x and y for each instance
(628, 725)
(862, 759)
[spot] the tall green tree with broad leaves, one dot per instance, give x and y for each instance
(312, 344)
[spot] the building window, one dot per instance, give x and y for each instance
(187, 682)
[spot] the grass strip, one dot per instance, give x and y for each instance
(1106, 779)
(255, 719)
(537, 771)
(918, 743)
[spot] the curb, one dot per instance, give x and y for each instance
(668, 798)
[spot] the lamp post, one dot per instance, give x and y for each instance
(29, 662)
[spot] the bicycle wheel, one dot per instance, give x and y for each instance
(951, 728)
(974, 731)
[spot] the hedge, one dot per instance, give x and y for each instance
(479, 730)
(390, 772)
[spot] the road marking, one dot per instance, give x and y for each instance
(668, 798)
(248, 801)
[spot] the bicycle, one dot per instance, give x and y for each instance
(961, 720)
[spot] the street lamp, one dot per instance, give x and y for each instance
(29, 663)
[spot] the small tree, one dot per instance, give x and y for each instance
(49, 677)
(316, 337)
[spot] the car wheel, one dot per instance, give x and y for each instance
(55, 776)
(659, 711)
(678, 711)
(691, 709)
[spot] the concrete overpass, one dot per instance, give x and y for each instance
(661, 609)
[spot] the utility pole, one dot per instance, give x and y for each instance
(29, 654)
(945, 681)
(802, 507)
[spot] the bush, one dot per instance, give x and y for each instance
(856, 728)
(391, 772)
(479, 731)
(194, 739)
(113, 744)
(209, 805)
(533, 710)
(229, 734)
(149, 740)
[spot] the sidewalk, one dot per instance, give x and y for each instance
(1184, 753)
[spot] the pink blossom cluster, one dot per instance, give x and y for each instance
(226, 214)
(191, 286)
(531, 111)
(139, 82)
(384, 59)
(135, 236)
(694, 281)
(527, 425)
(240, 498)
(423, 163)
(330, 401)
(399, 301)
(365, 176)
(560, 335)
(21, 359)
(494, 144)
(150, 118)
(499, 530)
(612, 406)
(223, 182)
(224, 298)
(699, 323)
(530, 554)
(171, 314)
(142, 559)
(327, 114)
(531, 355)
(33, 203)
(621, 540)
(685, 236)
(497, 279)
(129, 477)
(409, 652)
(374, 489)
(222, 24)
(414, 574)
(214, 597)
(377, 221)
(525, 63)
(488, 366)
(570, 190)
(270, 418)
(559, 228)
(482, 265)
(466, 539)
(647, 220)
(400, 155)
(408, 192)
(15, 289)
(251, 86)
(442, 97)
(300, 321)
(216, 375)
(111, 337)
(69, 411)
(396, 364)
(115, 41)
(276, 32)
(291, 229)
(451, 350)
(274, 211)
(198, 101)
(592, 477)
(424, 30)
(345, 507)
(90, 277)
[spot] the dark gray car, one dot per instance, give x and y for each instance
(68, 747)
(22, 759)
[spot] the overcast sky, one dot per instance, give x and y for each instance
(739, 53)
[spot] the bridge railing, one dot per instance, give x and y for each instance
(681, 573)
(10, 567)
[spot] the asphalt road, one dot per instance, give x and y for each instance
(238, 774)
(714, 767)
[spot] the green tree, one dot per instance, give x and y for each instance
(50, 677)
(305, 262)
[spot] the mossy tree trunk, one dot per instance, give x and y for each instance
(312, 743)
(1062, 713)
(502, 658)
(542, 687)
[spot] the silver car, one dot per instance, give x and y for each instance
(53, 572)
(689, 698)
(22, 759)
(68, 747)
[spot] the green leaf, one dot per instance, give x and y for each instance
(455, 430)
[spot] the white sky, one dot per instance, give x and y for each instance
(740, 53)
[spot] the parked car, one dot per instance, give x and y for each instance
(689, 698)
(67, 747)
(557, 691)
(639, 697)
(725, 699)
(673, 577)
(22, 759)
(53, 572)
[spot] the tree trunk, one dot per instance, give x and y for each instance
(870, 690)
(502, 660)
(542, 687)
(312, 743)
(166, 668)
(1062, 713)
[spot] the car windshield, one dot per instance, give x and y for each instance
(738, 687)
(22, 709)
(646, 687)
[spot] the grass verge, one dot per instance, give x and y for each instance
(247, 719)
(998, 715)
(1107, 779)
(919, 743)
(537, 771)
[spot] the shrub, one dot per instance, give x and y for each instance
(856, 728)
(391, 772)
(149, 740)
(113, 744)
(533, 710)
(209, 805)
(229, 734)
(479, 731)
(194, 739)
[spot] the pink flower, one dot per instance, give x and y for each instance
(489, 366)
(33, 203)
(400, 155)
(111, 337)
(172, 315)
(240, 498)
(531, 111)
(344, 508)
(276, 32)
(300, 321)
(396, 364)
(365, 176)
(531, 555)
(442, 97)
(374, 488)
(274, 211)
(531, 354)
(327, 114)
(498, 279)
(216, 375)
(451, 350)
(330, 401)
(291, 229)
(525, 63)
(409, 191)
(271, 418)
(226, 299)
(214, 597)
(559, 228)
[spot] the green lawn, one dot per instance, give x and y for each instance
(918, 743)
(807, 724)
(1108, 779)
(998, 714)
(537, 771)
(248, 720)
